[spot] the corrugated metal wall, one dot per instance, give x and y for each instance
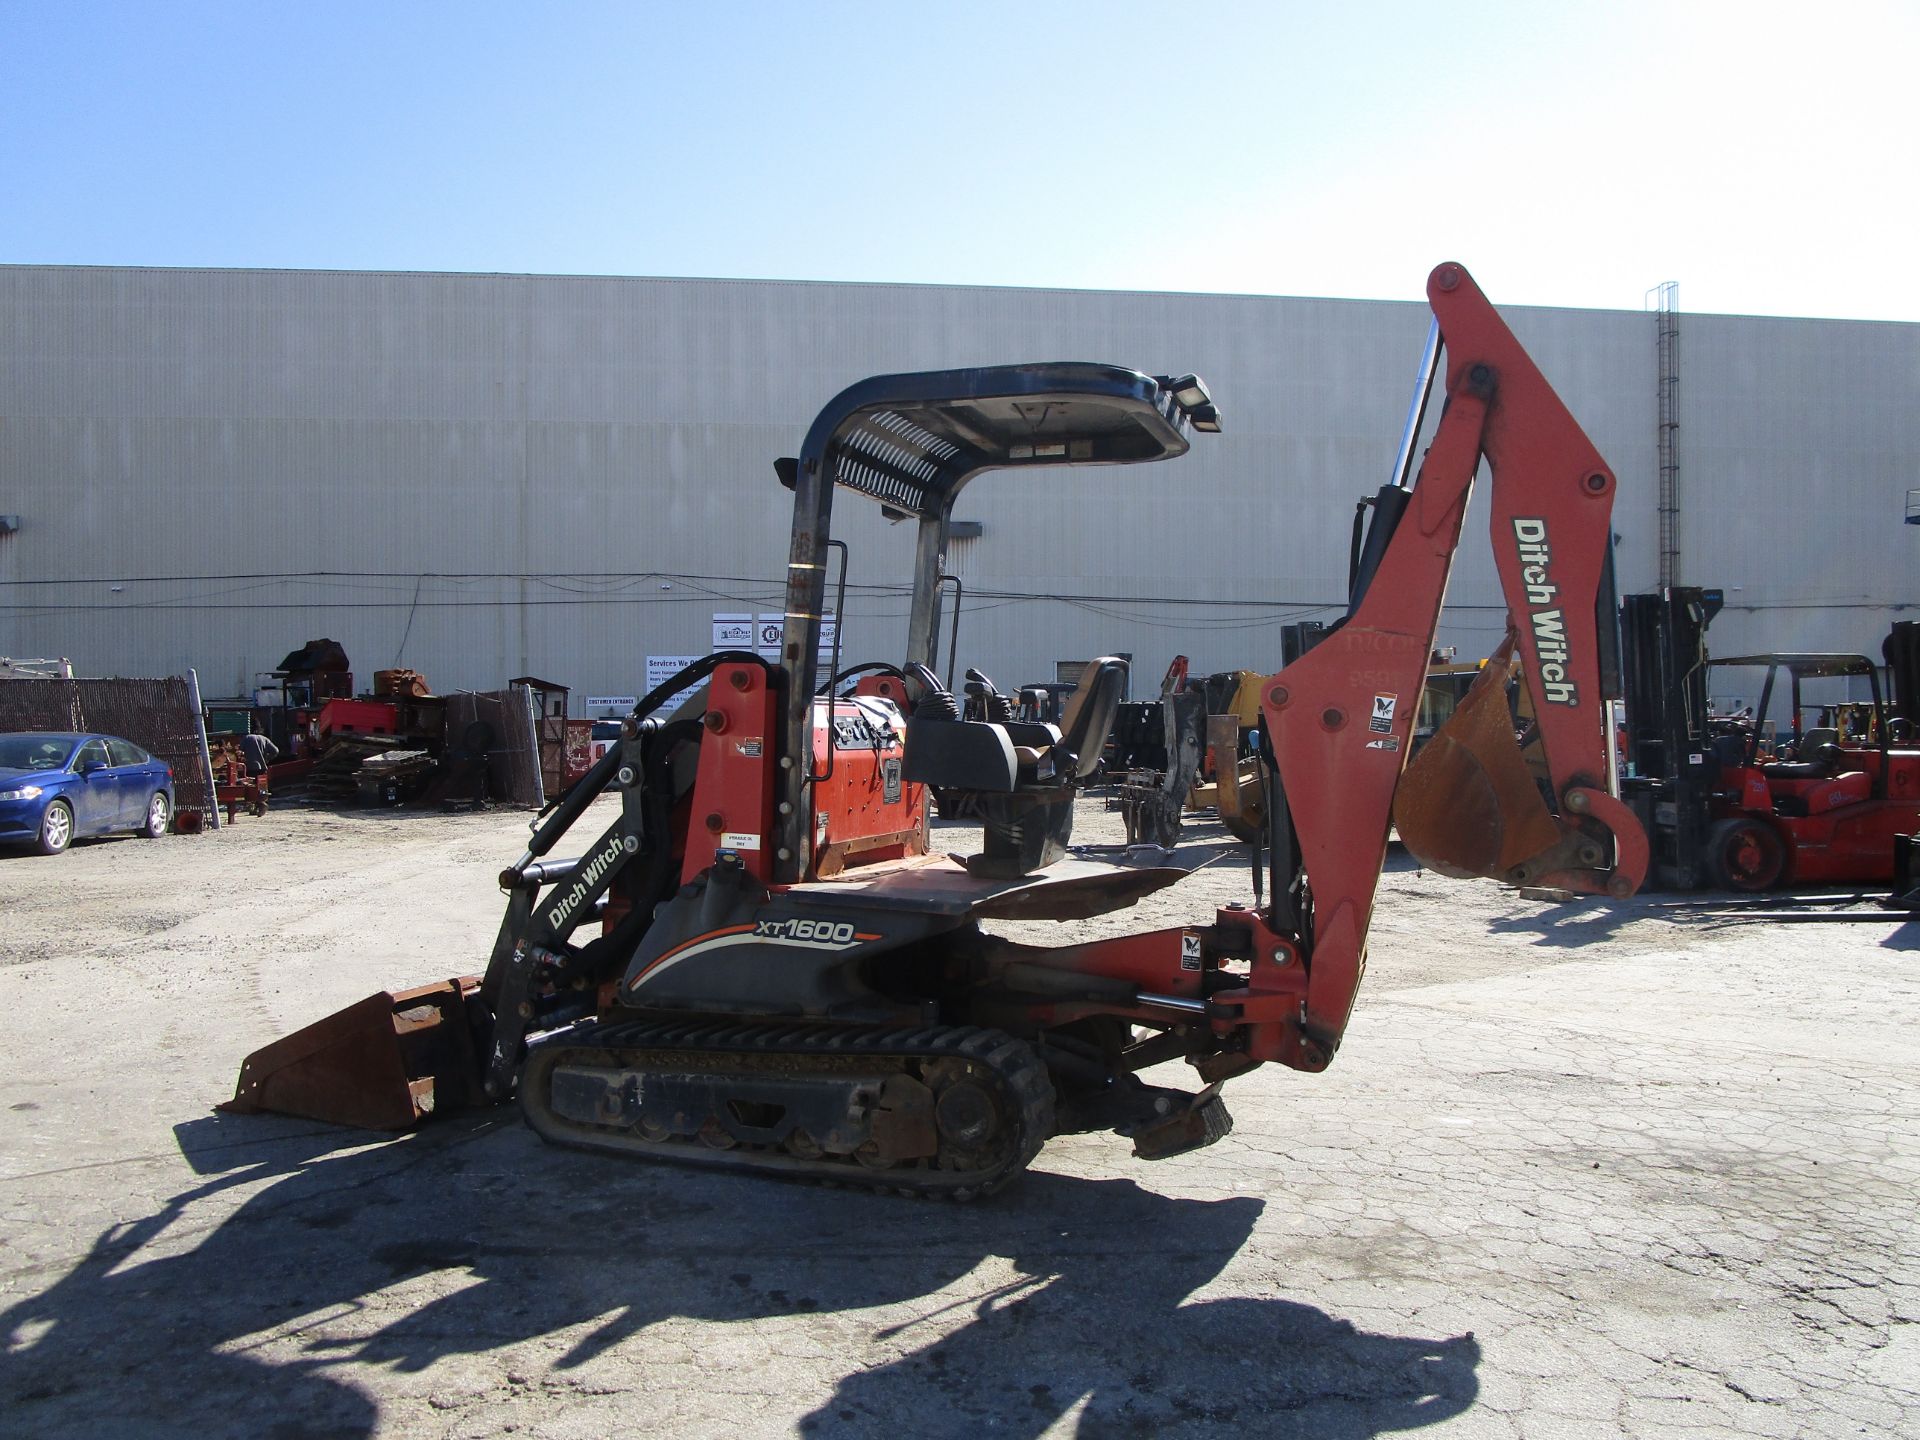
(483, 476)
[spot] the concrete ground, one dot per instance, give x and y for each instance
(1577, 1172)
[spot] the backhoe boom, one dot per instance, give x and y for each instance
(1340, 719)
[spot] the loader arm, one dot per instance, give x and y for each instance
(1340, 719)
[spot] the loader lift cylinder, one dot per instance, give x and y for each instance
(1390, 503)
(1402, 477)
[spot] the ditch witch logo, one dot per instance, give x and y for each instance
(1549, 624)
(590, 875)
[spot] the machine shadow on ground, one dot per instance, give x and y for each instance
(283, 1318)
(1571, 924)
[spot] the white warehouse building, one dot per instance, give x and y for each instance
(482, 476)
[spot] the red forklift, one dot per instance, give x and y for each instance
(1809, 804)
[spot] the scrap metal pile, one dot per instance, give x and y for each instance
(308, 737)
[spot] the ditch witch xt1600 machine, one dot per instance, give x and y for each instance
(785, 981)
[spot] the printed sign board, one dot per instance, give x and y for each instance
(767, 638)
(662, 668)
(765, 633)
(610, 704)
(733, 632)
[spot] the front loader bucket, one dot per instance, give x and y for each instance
(1467, 803)
(385, 1063)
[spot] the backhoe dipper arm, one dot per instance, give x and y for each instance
(1340, 719)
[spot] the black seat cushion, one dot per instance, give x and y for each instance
(960, 755)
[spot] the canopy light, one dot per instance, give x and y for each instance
(1189, 392)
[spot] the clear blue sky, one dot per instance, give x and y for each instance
(1762, 156)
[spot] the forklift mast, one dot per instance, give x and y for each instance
(1670, 753)
(1901, 650)
(1664, 638)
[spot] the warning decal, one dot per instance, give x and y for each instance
(1381, 722)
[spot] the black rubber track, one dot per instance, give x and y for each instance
(1025, 1093)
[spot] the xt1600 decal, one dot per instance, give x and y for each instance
(828, 935)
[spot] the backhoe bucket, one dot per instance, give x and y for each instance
(385, 1063)
(1467, 804)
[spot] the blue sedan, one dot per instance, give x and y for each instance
(57, 788)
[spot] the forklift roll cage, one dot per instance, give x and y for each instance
(1802, 666)
(912, 442)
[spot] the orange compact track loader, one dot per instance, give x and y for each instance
(759, 965)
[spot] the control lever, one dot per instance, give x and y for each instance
(984, 700)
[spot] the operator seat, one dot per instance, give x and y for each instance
(1088, 718)
(1019, 777)
(1817, 762)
